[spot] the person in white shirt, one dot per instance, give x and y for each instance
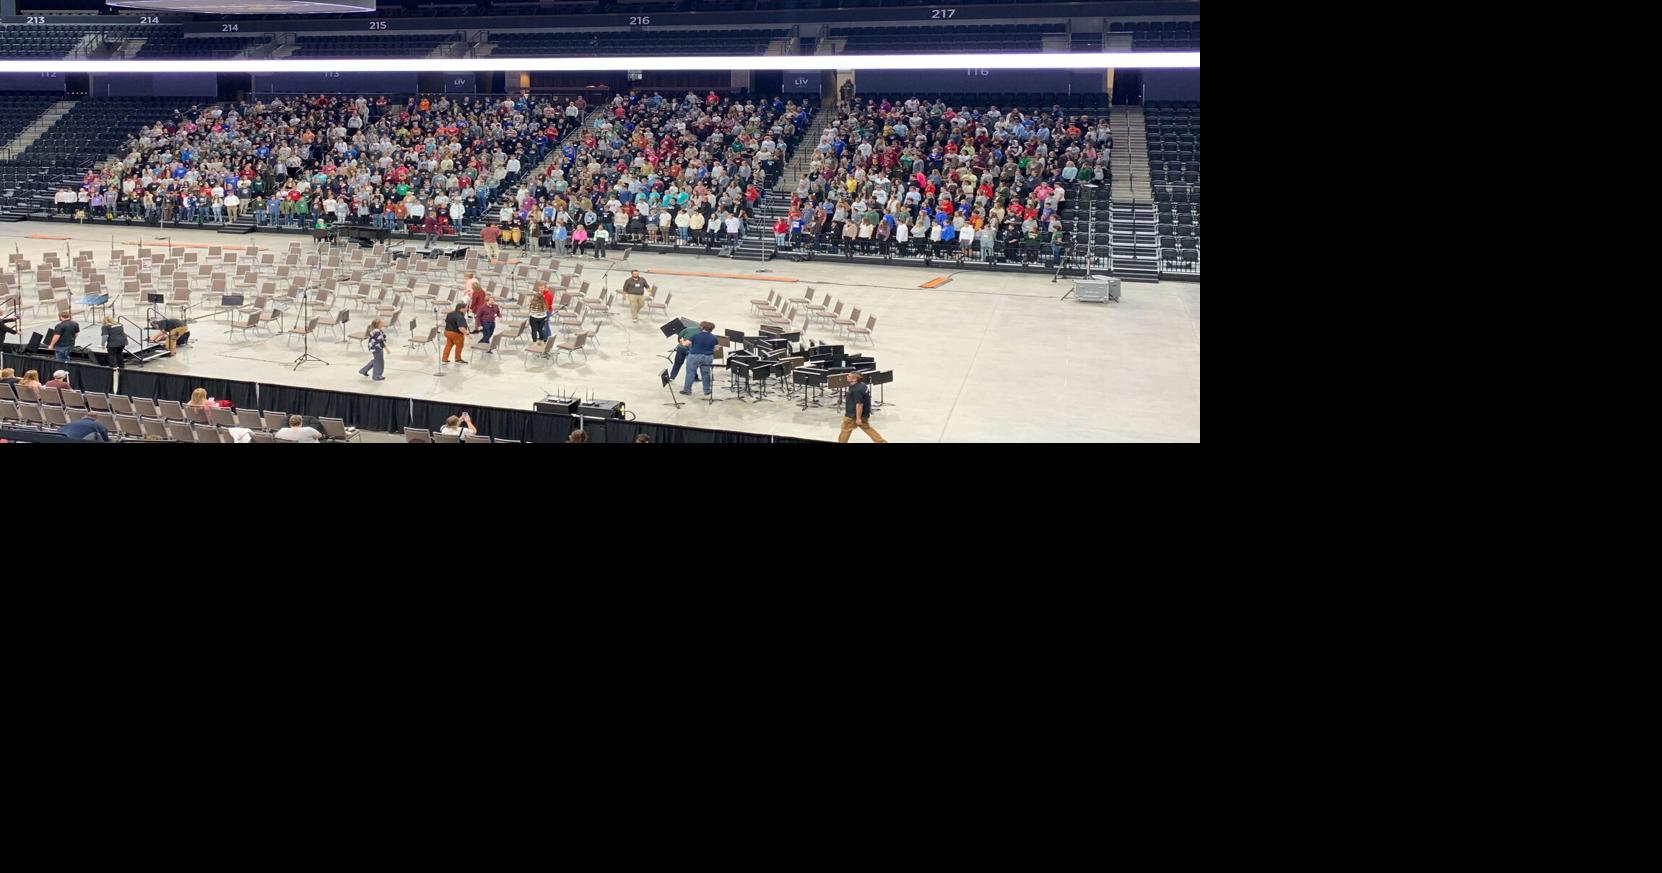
(735, 226)
(297, 432)
(455, 424)
(456, 212)
(232, 204)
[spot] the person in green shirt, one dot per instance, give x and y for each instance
(682, 341)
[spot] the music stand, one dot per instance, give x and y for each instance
(759, 374)
(229, 302)
(663, 376)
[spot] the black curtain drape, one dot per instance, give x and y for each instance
(365, 411)
(172, 386)
(82, 377)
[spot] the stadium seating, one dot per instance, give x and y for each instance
(1174, 169)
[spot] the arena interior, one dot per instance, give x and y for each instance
(258, 221)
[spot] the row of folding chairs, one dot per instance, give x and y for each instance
(140, 427)
(418, 435)
(811, 311)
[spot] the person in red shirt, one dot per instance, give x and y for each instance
(475, 291)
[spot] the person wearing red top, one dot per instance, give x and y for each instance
(430, 227)
(476, 293)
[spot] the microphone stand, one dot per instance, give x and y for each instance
(306, 355)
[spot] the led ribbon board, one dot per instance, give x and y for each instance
(689, 63)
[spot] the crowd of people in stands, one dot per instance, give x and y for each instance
(424, 164)
(908, 177)
(651, 167)
(917, 177)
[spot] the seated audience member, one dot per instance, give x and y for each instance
(455, 424)
(297, 432)
(85, 429)
(60, 379)
(578, 436)
(8, 376)
(31, 379)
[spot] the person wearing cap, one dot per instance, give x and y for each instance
(857, 409)
(634, 289)
(60, 379)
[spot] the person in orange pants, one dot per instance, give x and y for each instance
(857, 410)
(455, 333)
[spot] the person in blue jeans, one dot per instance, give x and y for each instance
(63, 337)
(701, 350)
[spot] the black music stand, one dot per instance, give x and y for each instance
(759, 374)
(663, 377)
(227, 303)
(880, 378)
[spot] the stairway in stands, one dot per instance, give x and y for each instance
(757, 244)
(469, 235)
(1131, 215)
(36, 130)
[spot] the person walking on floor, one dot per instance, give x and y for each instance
(537, 308)
(634, 290)
(455, 333)
(377, 340)
(857, 410)
(115, 342)
(487, 315)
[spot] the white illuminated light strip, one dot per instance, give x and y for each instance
(1032, 61)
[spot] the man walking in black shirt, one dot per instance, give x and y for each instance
(63, 337)
(455, 333)
(857, 409)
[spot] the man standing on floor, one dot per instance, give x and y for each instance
(490, 235)
(455, 333)
(856, 410)
(63, 337)
(634, 290)
(701, 358)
